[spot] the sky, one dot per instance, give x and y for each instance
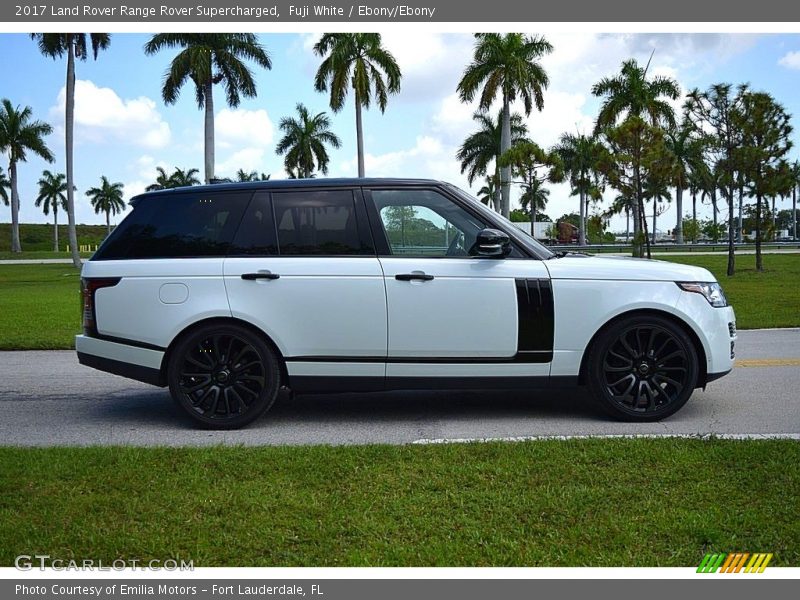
(123, 130)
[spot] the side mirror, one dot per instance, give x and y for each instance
(492, 242)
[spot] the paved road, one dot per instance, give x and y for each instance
(46, 398)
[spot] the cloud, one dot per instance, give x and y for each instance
(235, 128)
(101, 116)
(791, 60)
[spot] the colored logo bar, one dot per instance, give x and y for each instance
(736, 562)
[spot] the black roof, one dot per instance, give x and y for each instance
(294, 183)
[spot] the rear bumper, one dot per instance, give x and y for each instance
(141, 364)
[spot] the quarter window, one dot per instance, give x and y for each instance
(180, 225)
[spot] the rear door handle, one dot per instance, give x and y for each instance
(413, 277)
(260, 275)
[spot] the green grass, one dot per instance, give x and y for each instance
(39, 306)
(38, 255)
(549, 503)
(767, 299)
(38, 237)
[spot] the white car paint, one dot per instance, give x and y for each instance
(350, 317)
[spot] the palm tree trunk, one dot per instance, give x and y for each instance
(498, 206)
(731, 248)
(759, 265)
(12, 173)
(679, 207)
(72, 232)
(582, 217)
(794, 213)
(208, 99)
(739, 237)
(694, 206)
(505, 172)
(108, 223)
(359, 137)
(627, 223)
(714, 211)
(55, 227)
(773, 217)
(637, 211)
(655, 213)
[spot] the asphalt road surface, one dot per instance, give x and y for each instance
(46, 398)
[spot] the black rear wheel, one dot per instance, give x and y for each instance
(642, 368)
(223, 376)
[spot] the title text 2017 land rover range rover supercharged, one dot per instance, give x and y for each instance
(226, 293)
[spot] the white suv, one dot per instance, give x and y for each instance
(226, 293)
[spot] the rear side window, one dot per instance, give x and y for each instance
(323, 222)
(181, 225)
(256, 234)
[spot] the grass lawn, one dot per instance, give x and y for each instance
(547, 503)
(38, 237)
(40, 307)
(37, 255)
(768, 299)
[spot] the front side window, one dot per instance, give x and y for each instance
(180, 225)
(318, 222)
(425, 223)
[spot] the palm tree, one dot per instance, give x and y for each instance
(483, 148)
(656, 190)
(52, 195)
(507, 65)
(683, 150)
(632, 94)
(184, 178)
(242, 175)
(580, 155)
(304, 141)
(107, 199)
(488, 192)
(18, 135)
(359, 61)
(178, 178)
(5, 185)
(75, 46)
(534, 198)
(207, 59)
(795, 182)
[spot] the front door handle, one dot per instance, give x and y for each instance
(417, 276)
(260, 275)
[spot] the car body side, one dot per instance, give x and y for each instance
(333, 326)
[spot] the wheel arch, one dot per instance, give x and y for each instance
(677, 320)
(222, 321)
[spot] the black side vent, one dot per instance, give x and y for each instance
(536, 316)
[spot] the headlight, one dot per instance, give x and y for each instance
(711, 291)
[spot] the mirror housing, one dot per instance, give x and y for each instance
(492, 243)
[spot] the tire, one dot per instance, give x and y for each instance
(223, 376)
(642, 368)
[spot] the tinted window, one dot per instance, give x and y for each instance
(256, 234)
(425, 223)
(317, 222)
(179, 225)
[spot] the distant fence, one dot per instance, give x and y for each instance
(699, 247)
(85, 248)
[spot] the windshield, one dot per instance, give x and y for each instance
(538, 248)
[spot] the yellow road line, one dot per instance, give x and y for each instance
(769, 362)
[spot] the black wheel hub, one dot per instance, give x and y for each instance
(645, 369)
(222, 376)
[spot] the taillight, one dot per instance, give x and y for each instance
(88, 289)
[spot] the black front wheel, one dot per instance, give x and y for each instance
(223, 376)
(642, 368)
